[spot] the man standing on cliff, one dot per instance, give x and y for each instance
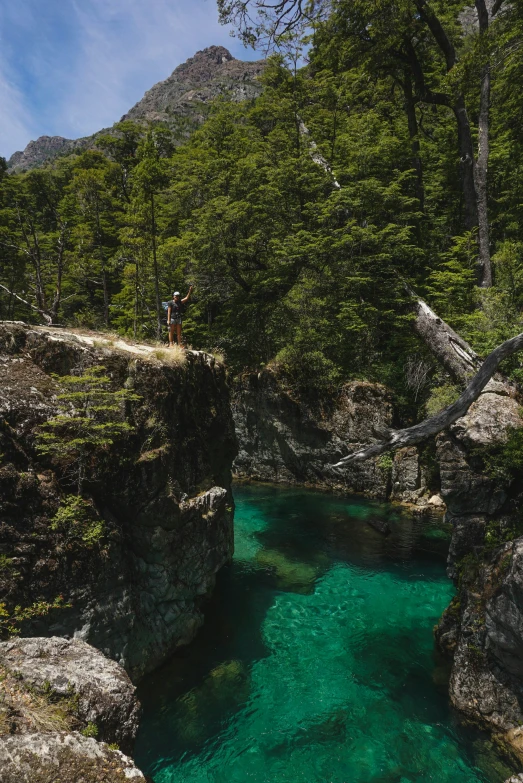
(174, 316)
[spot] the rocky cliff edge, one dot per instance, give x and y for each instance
(161, 496)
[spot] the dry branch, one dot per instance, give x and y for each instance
(45, 315)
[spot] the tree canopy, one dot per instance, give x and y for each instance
(416, 109)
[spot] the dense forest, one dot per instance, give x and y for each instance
(390, 162)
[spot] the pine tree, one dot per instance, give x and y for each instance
(90, 421)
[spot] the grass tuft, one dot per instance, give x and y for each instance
(22, 708)
(175, 355)
(219, 357)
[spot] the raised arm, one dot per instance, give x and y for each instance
(188, 295)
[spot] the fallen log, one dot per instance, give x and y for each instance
(450, 350)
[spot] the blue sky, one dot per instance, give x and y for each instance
(71, 67)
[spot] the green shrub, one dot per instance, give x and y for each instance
(11, 620)
(91, 730)
(504, 462)
(385, 462)
(91, 419)
(79, 521)
(441, 397)
(308, 371)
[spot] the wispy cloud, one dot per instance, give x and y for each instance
(15, 119)
(75, 66)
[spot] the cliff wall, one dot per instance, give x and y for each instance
(282, 440)
(161, 494)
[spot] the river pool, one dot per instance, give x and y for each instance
(316, 663)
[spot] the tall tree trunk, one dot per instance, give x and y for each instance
(106, 295)
(466, 153)
(60, 263)
(450, 350)
(410, 105)
(480, 170)
(155, 266)
(135, 319)
(396, 439)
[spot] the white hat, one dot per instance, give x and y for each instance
(176, 293)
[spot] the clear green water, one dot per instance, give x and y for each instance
(316, 663)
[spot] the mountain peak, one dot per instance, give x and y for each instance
(217, 54)
(210, 72)
(180, 101)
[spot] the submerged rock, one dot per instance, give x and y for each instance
(380, 525)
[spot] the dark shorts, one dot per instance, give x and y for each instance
(176, 321)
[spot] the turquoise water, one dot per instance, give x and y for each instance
(316, 663)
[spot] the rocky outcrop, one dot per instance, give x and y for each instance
(212, 72)
(43, 758)
(473, 498)
(161, 496)
(58, 699)
(71, 669)
(282, 440)
(44, 149)
(482, 630)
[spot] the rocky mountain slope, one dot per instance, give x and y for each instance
(193, 85)
(181, 101)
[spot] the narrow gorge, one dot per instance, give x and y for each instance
(162, 497)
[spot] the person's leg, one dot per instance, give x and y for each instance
(171, 335)
(179, 333)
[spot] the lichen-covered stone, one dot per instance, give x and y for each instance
(98, 689)
(63, 758)
(489, 418)
(163, 495)
(482, 630)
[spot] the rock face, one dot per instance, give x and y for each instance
(45, 148)
(482, 630)
(162, 495)
(209, 74)
(55, 694)
(282, 440)
(181, 101)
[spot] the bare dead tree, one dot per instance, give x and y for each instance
(417, 372)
